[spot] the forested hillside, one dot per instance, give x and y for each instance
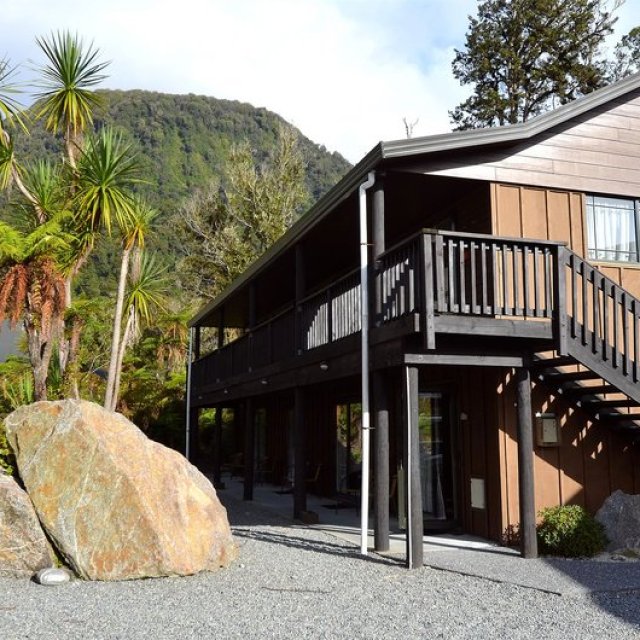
(183, 141)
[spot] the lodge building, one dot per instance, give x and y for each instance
(503, 321)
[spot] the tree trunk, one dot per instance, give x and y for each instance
(117, 328)
(40, 351)
(123, 347)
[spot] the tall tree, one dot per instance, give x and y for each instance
(522, 57)
(134, 232)
(626, 56)
(224, 229)
(67, 99)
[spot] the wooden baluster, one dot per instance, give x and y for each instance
(536, 282)
(505, 281)
(548, 266)
(574, 296)
(462, 294)
(585, 305)
(439, 264)
(484, 277)
(525, 278)
(452, 279)
(636, 346)
(596, 347)
(615, 320)
(474, 279)
(516, 280)
(497, 307)
(625, 334)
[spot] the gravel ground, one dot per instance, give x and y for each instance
(292, 582)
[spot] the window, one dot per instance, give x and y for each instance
(612, 225)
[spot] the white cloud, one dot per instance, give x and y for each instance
(344, 71)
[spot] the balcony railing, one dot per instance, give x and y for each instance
(430, 274)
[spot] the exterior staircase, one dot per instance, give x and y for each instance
(597, 367)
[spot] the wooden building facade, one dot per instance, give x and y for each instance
(504, 328)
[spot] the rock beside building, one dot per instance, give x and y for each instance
(620, 517)
(24, 548)
(116, 505)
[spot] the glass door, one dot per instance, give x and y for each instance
(436, 467)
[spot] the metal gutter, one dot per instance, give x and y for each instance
(510, 133)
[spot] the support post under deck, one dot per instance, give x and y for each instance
(381, 437)
(300, 458)
(526, 487)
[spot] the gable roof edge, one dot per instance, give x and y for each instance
(510, 133)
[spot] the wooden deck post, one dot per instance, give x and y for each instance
(381, 469)
(217, 450)
(415, 521)
(249, 448)
(299, 453)
(526, 487)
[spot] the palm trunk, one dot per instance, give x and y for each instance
(117, 328)
(40, 351)
(123, 347)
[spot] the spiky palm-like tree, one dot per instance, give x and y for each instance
(67, 99)
(32, 288)
(134, 231)
(147, 289)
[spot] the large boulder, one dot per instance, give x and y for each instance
(116, 504)
(620, 517)
(24, 548)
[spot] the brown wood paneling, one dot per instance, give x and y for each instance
(534, 223)
(595, 152)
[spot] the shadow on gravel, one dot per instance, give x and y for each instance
(310, 545)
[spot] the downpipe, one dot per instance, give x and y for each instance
(188, 399)
(364, 334)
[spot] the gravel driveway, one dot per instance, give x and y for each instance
(292, 582)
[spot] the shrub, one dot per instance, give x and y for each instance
(570, 531)
(7, 459)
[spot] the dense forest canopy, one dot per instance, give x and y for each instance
(184, 142)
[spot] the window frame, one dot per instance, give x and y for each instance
(590, 203)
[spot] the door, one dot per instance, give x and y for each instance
(436, 460)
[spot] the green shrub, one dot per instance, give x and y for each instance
(7, 459)
(570, 531)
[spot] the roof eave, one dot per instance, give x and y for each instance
(339, 192)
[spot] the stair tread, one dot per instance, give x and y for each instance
(602, 404)
(589, 391)
(570, 376)
(550, 363)
(619, 416)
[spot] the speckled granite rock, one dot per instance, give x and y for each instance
(116, 504)
(24, 549)
(620, 517)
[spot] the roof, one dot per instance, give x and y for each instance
(455, 141)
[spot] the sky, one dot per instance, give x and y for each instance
(345, 72)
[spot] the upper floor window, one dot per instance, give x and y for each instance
(612, 229)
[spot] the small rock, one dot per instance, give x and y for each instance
(52, 577)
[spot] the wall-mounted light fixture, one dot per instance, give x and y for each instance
(547, 430)
(226, 391)
(324, 365)
(264, 381)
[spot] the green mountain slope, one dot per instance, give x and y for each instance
(183, 142)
